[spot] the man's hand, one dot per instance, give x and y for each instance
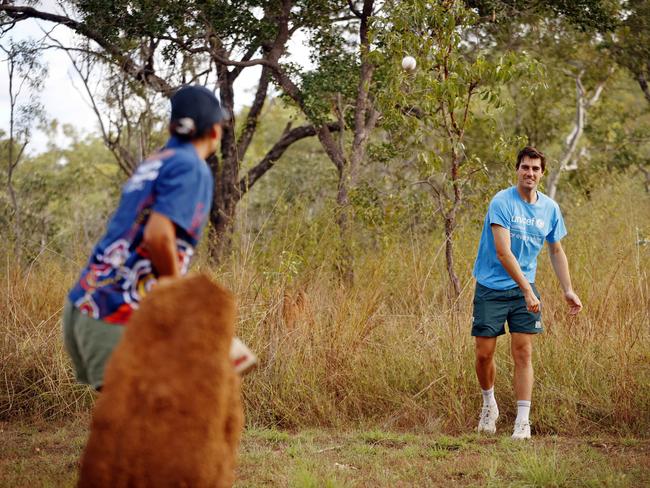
(575, 305)
(532, 302)
(561, 268)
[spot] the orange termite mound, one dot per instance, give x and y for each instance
(170, 412)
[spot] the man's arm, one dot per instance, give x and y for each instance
(160, 240)
(561, 268)
(510, 264)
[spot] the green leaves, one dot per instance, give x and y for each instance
(583, 14)
(452, 80)
(336, 75)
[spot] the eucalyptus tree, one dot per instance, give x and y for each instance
(163, 44)
(341, 86)
(580, 45)
(577, 74)
(572, 41)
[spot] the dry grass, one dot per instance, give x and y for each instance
(35, 374)
(390, 351)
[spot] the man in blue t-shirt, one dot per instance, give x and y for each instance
(161, 215)
(518, 221)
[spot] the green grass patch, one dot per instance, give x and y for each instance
(46, 454)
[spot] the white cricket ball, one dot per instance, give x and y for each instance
(408, 63)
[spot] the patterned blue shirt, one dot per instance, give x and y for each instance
(174, 182)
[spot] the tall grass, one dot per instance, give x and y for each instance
(35, 375)
(390, 351)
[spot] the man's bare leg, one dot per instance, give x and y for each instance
(522, 354)
(486, 372)
(485, 368)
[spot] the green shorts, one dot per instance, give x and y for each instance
(89, 343)
(492, 308)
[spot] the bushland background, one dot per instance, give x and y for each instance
(349, 203)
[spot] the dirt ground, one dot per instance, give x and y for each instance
(46, 454)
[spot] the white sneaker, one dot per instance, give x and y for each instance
(522, 430)
(489, 415)
(243, 360)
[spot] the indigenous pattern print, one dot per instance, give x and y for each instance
(176, 183)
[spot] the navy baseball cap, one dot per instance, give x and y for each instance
(194, 110)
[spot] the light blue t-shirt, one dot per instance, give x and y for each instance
(530, 224)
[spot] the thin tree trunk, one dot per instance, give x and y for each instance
(571, 143)
(13, 161)
(345, 263)
(450, 227)
(224, 204)
(365, 120)
(643, 83)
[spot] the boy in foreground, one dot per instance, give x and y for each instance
(152, 235)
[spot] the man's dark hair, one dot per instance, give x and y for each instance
(531, 153)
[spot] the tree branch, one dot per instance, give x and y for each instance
(245, 64)
(354, 9)
(643, 83)
(125, 63)
(288, 138)
(571, 142)
(246, 57)
(254, 113)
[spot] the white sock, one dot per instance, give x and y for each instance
(523, 410)
(488, 397)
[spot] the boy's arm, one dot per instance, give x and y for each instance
(160, 240)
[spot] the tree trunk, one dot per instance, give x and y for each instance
(345, 263)
(224, 205)
(13, 163)
(450, 227)
(571, 143)
(229, 187)
(16, 221)
(643, 83)
(365, 120)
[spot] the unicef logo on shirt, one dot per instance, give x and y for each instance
(518, 219)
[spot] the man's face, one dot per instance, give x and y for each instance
(529, 173)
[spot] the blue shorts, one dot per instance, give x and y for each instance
(493, 308)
